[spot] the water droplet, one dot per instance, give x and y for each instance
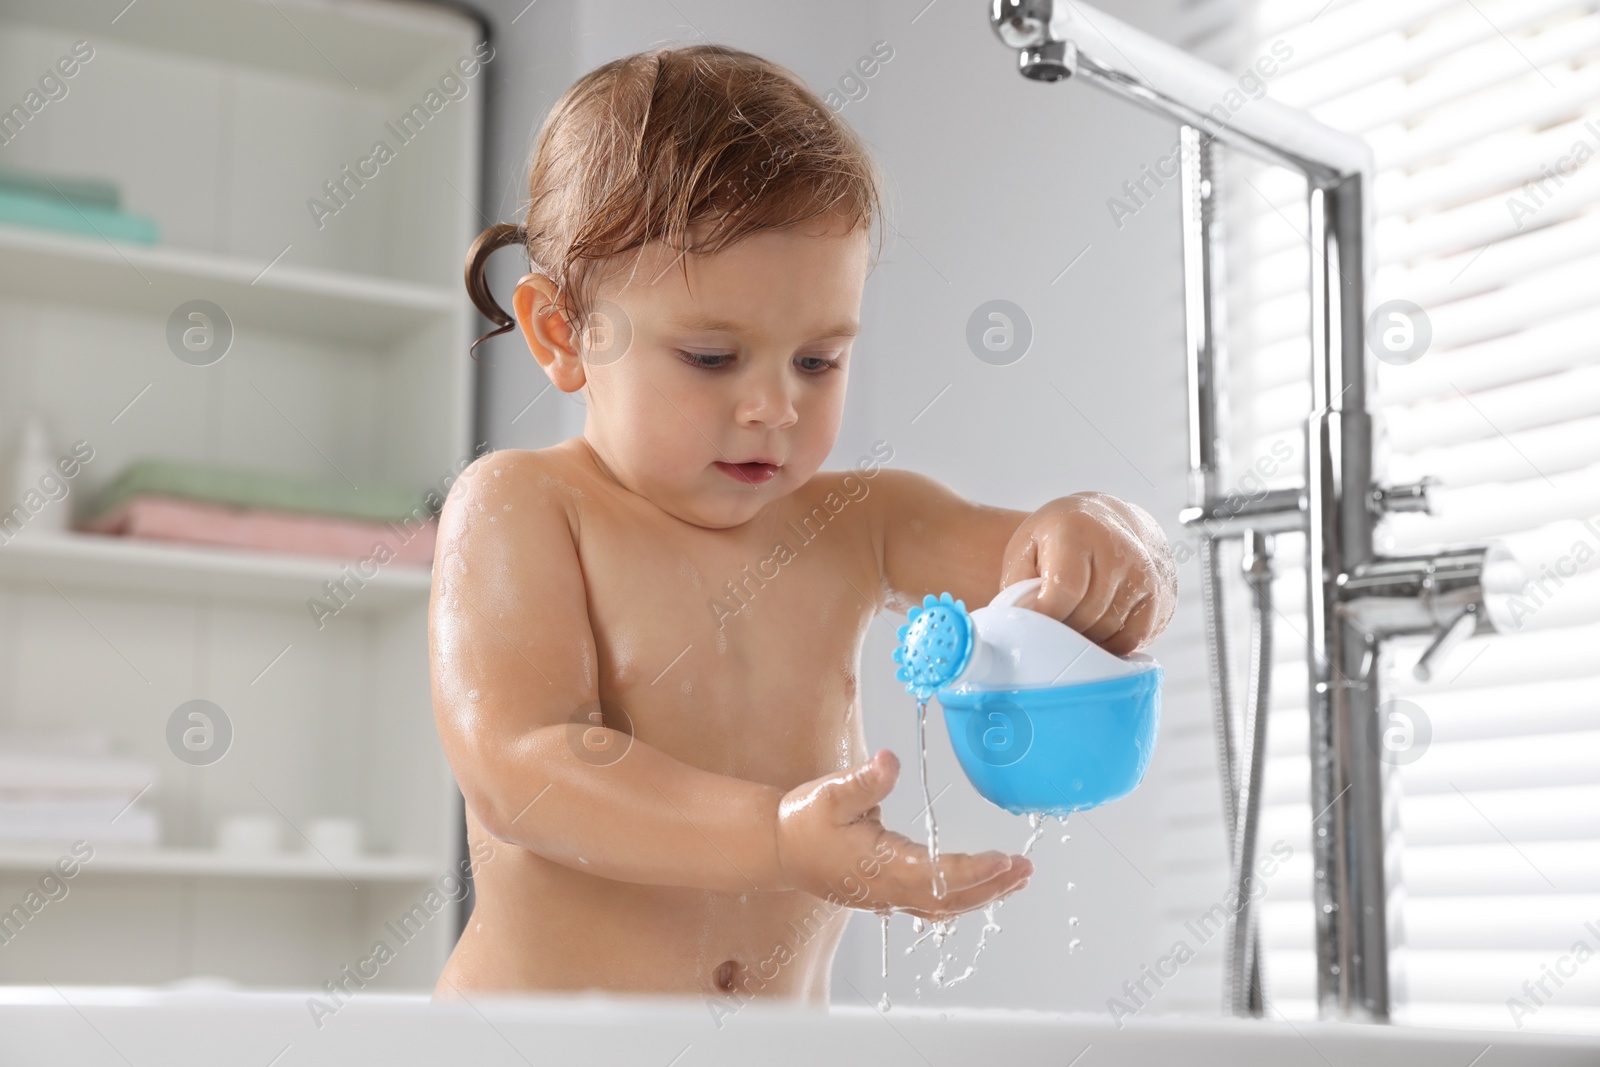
(505, 507)
(1071, 886)
(1066, 837)
(1073, 946)
(1072, 920)
(497, 472)
(883, 1003)
(472, 694)
(582, 860)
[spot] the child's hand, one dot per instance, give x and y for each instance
(832, 844)
(1107, 568)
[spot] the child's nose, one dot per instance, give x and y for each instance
(766, 400)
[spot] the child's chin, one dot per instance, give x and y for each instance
(727, 509)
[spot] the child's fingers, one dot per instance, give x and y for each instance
(962, 870)
(1136, 629)
(911, 869)
(1118, 609)
(1069, 580)
(910, 866)
(1097, 608)
(866, 786)
(911, 877)
(921, 901)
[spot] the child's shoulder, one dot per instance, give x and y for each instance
(860, 478)
(510, 472)
(889, 484)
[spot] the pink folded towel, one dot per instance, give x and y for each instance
(164, 518)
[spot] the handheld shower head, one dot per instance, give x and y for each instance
(1025, 26)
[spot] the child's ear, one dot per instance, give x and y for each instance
(549, 337)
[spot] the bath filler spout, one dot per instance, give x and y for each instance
(1356, 597)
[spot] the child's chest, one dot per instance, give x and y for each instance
(736, 655)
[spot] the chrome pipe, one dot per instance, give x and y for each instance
(1063, 40)
(1355, 598)
(1204, 312)
(1347, 839)
(1274, 511)
(1204, 359)
(1243, 950)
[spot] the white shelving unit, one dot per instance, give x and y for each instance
(221, 119)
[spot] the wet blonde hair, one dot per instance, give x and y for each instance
(647, 146)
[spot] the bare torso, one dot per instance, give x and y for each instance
(764, 689)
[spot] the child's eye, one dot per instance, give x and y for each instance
(817, 365)
(709, 361)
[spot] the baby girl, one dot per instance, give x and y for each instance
(646, 640)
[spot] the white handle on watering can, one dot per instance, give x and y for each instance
(1016, 647)
(983, 661)
(1008, 597)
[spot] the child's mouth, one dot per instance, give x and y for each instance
(749, 473)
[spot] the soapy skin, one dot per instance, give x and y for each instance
(675, 792)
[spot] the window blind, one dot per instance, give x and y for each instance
(1484, 118)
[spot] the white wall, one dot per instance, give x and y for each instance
(997, 184)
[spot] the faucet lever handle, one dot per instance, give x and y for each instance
(1446, 639)
(1409, 496)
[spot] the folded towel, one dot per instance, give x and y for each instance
(45, 821)
(85, 192)
(168, 519)
(55, 742)
(249, 488)
(70, 216)
(42, 810)
(49, 774)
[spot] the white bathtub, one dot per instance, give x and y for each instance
(159, 1028)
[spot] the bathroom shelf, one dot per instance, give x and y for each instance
(209, 863)
(221, 121)
(375, 44)
(98, 561)
(257, 294)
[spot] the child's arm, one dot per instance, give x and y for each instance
(1107, 568)
(514, 684)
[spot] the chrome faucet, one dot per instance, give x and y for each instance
(1356, 597)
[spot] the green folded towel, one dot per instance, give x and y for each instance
(56, 213)
(85, 192)
(246, 488)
